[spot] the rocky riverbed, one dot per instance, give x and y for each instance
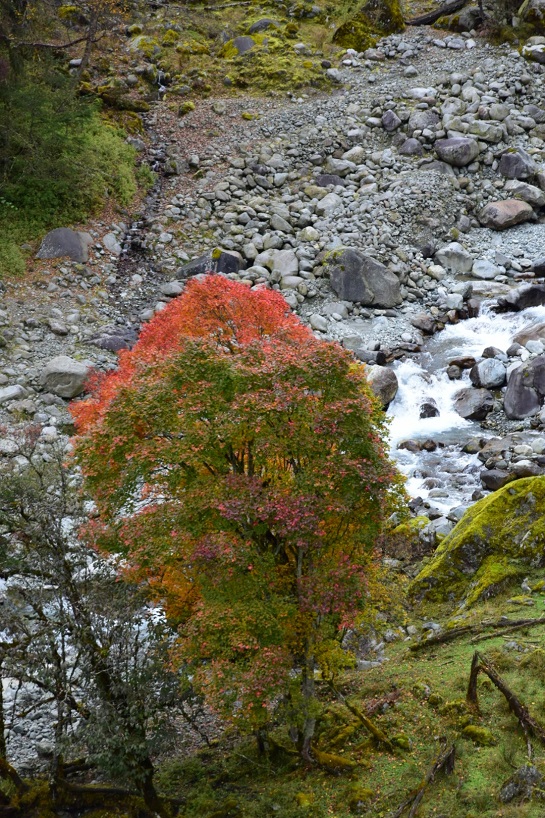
(401, 215)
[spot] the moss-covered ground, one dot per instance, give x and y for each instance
(424, 705)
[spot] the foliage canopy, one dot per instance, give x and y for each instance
(238, 463)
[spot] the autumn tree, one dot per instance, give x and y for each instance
(239, 465)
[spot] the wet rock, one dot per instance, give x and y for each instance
(458, 151)
(525, 390)
(425, 323)
(473, 404)
(383, 382)
(65, 243)
(428, 409)
(357, 277)
(64, 376)
(488, 374)
(504, 214)
(529, 295)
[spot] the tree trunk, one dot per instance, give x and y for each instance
(91, 34)
(2, 722)
(309, 693)
(152, 801)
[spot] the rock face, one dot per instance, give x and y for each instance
(497, 538)
(473, 404)
(458, 151)
(357, 277)
(501, 215)
(64, 376)
(525, 390)
(383, 383)
(66, 243)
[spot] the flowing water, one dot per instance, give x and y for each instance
(447, 477)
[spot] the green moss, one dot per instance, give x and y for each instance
(497, 539)
(148, 46)
(480, 735)
(358, 796)
(186, 108)
(375, 19)
(170, 38)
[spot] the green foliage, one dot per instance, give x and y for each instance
(248, 460)
(59, 159)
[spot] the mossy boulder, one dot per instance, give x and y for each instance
(496, 540)
(148, 46)
(532, 12)
(375, 19)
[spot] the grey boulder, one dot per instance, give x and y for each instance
(357, 277)
(473, 404)
(525, 390)
(454, 257)
(515, 163)
(458, 151)
(66, 243)
(488, 374)
(383, 383)
(64, 376)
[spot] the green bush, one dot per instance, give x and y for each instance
(59, 159)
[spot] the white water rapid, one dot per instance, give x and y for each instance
(447, 476)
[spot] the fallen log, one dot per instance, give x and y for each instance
(444, 762)
(529, 725)
(375, 731)
(432, 16)
(502, 625)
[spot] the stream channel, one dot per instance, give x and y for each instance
(448, 477)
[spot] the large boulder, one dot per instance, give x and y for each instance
(458, 151)
(525, 390)
(532, 12)
(497, 539)
(64, 376)
(488, 374)
(66, 243)
(504, 214)
(357, 277)
(473, 404)
(529, 295)
(515, 163)
(383, 382)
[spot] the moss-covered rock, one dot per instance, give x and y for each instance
(480, 735)
(496, 540)
(375, 19)
(532, 12)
